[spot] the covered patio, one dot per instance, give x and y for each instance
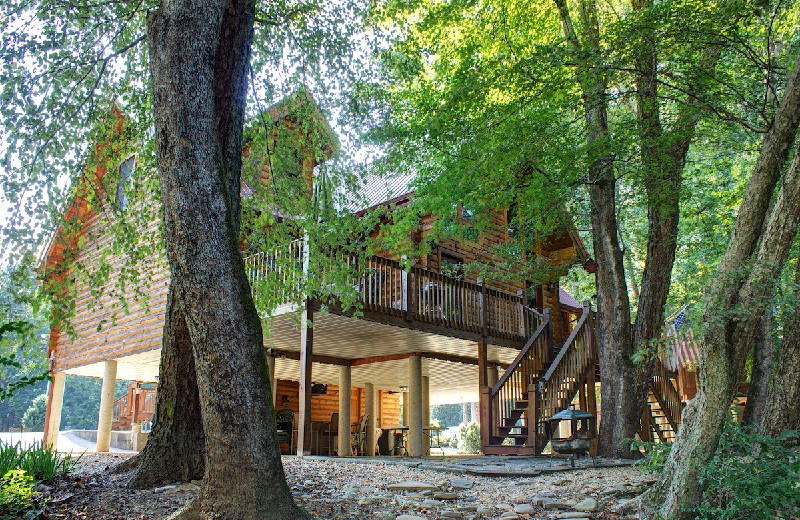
(339, 370)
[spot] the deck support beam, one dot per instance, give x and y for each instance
(106, 407)
(56, 399)
(306, 351)
(415, 437)
(345, 393)
(370, 410)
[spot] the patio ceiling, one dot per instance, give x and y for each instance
(346, 340)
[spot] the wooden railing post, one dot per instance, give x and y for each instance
(533, 416)
(551, 349)
(404, 294)
(521, 305)
(483, 308)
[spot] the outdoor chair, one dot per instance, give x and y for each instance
(285, 426)
(331, 431)
(359, 440)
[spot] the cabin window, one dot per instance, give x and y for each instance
(532, 299)
(125, 174)
(451, 265)
(467, 213)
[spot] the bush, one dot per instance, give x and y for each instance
(34, 415)
(752, 477)
(37, 461)
(655, 454)
(469, 437)
(16, 496)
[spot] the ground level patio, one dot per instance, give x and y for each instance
(368, 488)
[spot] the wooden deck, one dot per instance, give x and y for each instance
(385, 292)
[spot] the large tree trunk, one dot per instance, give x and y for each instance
(783, 399)
(734, 306)
(760, 374)
(199, 54)
(175, 450)
(613, 305)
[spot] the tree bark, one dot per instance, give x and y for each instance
(760, 373)
(175, 450)
(199, 54)
(734, 306)
(613, 305)
(783, 399)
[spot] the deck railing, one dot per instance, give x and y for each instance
(383, 286)
(144, 400)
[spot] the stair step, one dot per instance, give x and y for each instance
(506, 429)
(500, 449)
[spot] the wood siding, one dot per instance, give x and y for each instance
(323, 406)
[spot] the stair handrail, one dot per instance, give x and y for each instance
(567, 345)
(667, 396)
(545, 320)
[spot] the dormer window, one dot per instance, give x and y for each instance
(125, 174)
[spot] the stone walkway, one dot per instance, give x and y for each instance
(491, 466)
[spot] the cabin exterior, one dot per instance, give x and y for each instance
(421, 337)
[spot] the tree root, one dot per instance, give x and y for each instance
(190, 511)
(127, 465)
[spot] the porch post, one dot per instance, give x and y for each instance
(56, 399)
(370, 411)
(106, 407)
(345, 391)
(272, 381)
(492, 375)
(426, 412)
(306, 349)
(415, 438)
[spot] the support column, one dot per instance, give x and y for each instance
(106, 407)
(56, 402)
(306, 349)
(405, 408)
(271, 374)
(492, 375)
(426, 412)
(371, 412)
(415, 439)
(345, 392)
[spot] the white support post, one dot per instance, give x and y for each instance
(272, 382)
(426, 412)
(106, 407)
(416, 441)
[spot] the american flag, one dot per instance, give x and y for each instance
(681, 348)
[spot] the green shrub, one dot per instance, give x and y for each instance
(16, 496)
(752, 477)
(469, 437)
(34, 415)
(655, 454)
(37, 461)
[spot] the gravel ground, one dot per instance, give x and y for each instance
(352, 489)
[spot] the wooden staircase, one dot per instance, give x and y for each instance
(662, 413)
(542, 380)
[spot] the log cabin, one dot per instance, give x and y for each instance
(421, 335)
